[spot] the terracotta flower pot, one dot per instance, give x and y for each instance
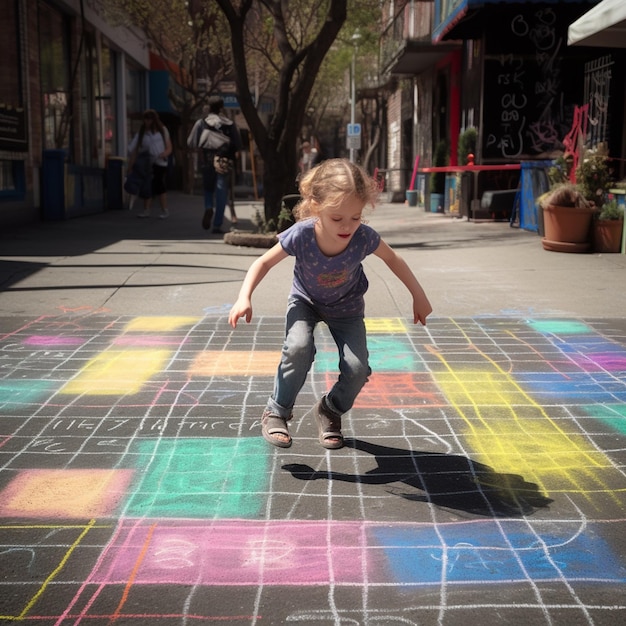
(607, 235)
(567, 225)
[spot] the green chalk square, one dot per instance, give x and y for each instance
(387, 354)
(16, 393)
(560, 327)
(210, 478)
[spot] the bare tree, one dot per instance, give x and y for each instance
(302, 32)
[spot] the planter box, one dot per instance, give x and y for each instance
(607, 235)
(567, 229)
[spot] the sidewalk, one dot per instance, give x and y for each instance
(482, 477)
(126, 265)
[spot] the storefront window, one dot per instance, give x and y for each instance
(55, 79)
(12, 113)
(88, 135)
(135, 99)
(106, 99)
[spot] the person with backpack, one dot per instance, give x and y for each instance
(218, 141)
(151, 143)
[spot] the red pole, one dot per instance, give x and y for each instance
(417, 162)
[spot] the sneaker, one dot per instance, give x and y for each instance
(207, 218)
(144, 213)
(164, 214)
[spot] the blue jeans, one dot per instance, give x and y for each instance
(219, 192)
(299, 352)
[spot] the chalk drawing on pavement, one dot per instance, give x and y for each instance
(485, 455)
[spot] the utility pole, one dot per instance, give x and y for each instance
(352, 140)
(353, 100)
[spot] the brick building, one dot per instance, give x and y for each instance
(72, 87)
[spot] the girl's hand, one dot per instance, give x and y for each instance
(421, 310)
(241, 308)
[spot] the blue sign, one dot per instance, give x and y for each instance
(354, 130)
(230, 100)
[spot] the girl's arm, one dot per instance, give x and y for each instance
(421, 306)
(256, 273)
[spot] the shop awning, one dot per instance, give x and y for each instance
(418, 56)
(604, 25)
(466, 19)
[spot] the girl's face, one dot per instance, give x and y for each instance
(335, 226)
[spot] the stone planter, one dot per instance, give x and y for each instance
(567, 229)
(252, 240)
(607, 235)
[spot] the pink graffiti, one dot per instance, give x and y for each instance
(576, 136)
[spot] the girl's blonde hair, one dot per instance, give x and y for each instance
(329, 183)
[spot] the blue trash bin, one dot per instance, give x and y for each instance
(534, 182)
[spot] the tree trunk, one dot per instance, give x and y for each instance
(279, 180)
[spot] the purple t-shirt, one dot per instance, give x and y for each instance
(333, 285)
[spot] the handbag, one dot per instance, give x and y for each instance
(221, 164)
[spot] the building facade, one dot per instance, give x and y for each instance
(73, 88)
(504, 69)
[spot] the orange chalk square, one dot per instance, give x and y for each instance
(66, 493)
(235, 363)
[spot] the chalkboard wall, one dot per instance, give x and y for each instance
(532, 81)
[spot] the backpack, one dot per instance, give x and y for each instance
(209, 138)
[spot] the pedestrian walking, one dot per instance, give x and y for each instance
(153, 138)
(329, 242)
(218, 141)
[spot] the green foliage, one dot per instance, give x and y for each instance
(285, 218)
(560, 171)
(260, 225)
(611, 210)
(284, 221)
(467, 145)
(593, 177)
(438, 179)
(359, 35)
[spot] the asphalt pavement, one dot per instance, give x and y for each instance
(482, 477)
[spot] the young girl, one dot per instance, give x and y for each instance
(329, 242)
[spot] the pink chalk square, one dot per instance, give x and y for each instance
(602, 361)
(66, 493)
(235, 552)
(53, 341)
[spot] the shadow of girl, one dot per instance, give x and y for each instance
(446, 480)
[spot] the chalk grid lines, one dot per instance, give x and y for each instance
(484, 474)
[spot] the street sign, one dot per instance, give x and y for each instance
(353, 137)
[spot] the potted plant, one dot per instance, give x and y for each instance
(593, 176)
(438, 179)
(608, 227)
(467, 144)
(567, 216)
